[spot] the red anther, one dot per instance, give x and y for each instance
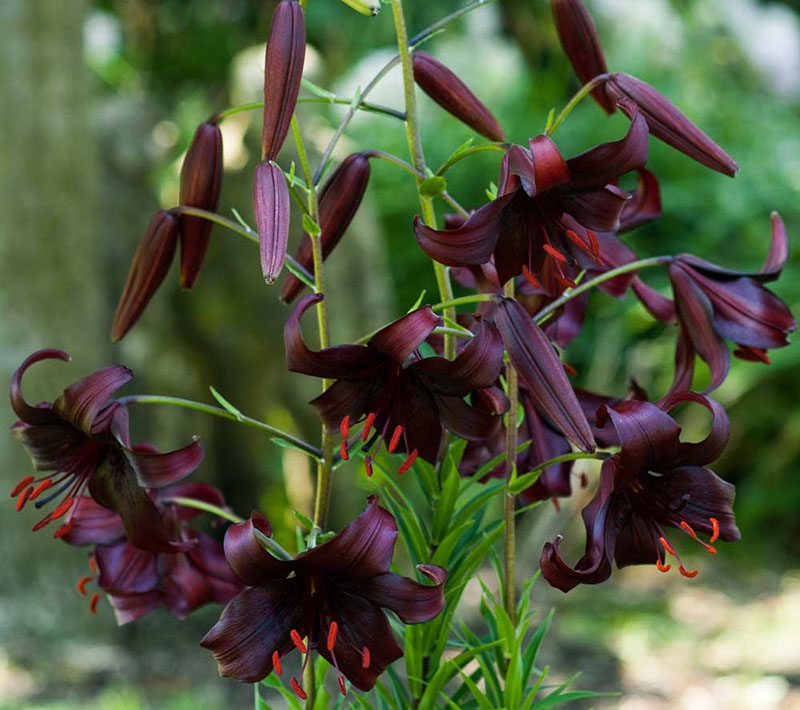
(563, 280)
(555, 253)
(667, 546)
(710, 549)
(395, 440)
(530, 278)
(368, 465)
(365, 657)
(332, 631)
(62, 509)
(662, 567)
(584, 480)
(63, 530)
(344, 426)
(276, 663)
(16, 490)
(368, 422)
(26, 494)
(691, 574)
(714, 529)
(343, 452)
(93, 603)
(688, 528)
(82, 582)
(577, 241)
(297, 641)
(41, 488)
(569, 369)
(44, 521)
(408, 463)
(556, 505)
(298, 689)
(92, 564)
(595, 244)
(342, 686)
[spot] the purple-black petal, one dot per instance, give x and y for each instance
(248, 559)
(156, 470)
(402, 337)
(82, 401)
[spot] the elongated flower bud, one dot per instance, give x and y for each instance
(271, 206)
(668, 124)
(339, 200)
(201, 180)
(148, 269)
(540, 370)
(581, 44)
(453, 95)
(283, 70)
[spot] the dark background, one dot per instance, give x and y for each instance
(98, 101)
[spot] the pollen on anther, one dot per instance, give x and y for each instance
(332, 631)
(395, 440)
(343, 452)
(276, 663)
(93, 603)
(365, 657)
(82, 582)
(688, 528)
(691, 574)
(298, 689)
(16, 490)
(662, 567)
(344, 426)
(555, 253)
(667, 546)
(368, 422)
(297, 641)
(62, 508)
(714, 529)
(41, 488)
(408, 463)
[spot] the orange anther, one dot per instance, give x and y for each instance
(569, 369)
(343, 452)
(63, 530)
(44, 521)
(408, 463)
(368, 422)
(395, 440)
(714, 529)
(82, 582)
(687, 573)
(368, 465)
(26, 494)
(344, 426)
(297, 641)
(342, 686)
(594, 243)
(529, 277)
(298, 690)
(92, 564)
(276, 663)
(688, 528)
(662, 567)
(365, 658)
(62, 509)
(667, 546)
(24, 483)
(555, 253)
(41, 488)
(93, 603)
(332, 631)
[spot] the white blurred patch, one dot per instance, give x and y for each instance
(102, 37)
(649, 26)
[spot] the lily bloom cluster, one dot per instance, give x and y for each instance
(553, 223)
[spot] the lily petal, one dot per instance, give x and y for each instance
(82, 401)
(159, 470)
(710, 448)
(402, 337)
(413, 602)
(92, 524)
(644, 205)
(26, 412)
(465, 421)
(125, 569)
(550, 169)
(596, 209)
(248, 559)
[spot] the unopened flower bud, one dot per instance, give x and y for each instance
(581, 44)
(453, 95)
(283, 70)
(271, 206)
(339, 200)
(148, 269)
(201, 180)
(668, 124)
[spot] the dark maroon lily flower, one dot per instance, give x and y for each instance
(201, 182)
(139, 581)
(715, 305)
(339, 200)
(545, 205)
(327, 599)
(403, 399)
(82, 438)
(655, 481)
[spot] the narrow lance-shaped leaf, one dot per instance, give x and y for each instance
(283, 70)
(271, 206)
(539, 368)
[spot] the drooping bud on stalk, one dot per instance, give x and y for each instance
(271, 206)
(540, 370)
(339, 200)
(365, 7)
(148, 269)
(581, 44)
(201, 180)
(453, 95)
(283, 70)
(668, 124)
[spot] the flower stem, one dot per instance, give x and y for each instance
(363, 106)
(322, 498)
(304, 446)
(584, 91)
(547, 311)
(458, 157)
(509, 530)
(463, 301)
(418, 160)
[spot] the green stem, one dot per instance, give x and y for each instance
(463, 301)
(509, 529)
(363, 106)
(584, 91)
(547, 311)
(311, 450)
(458, 157)
(418, 160)
(520, 484)
(207, 507)
(291, 263)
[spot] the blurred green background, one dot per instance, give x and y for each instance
(98, 101)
